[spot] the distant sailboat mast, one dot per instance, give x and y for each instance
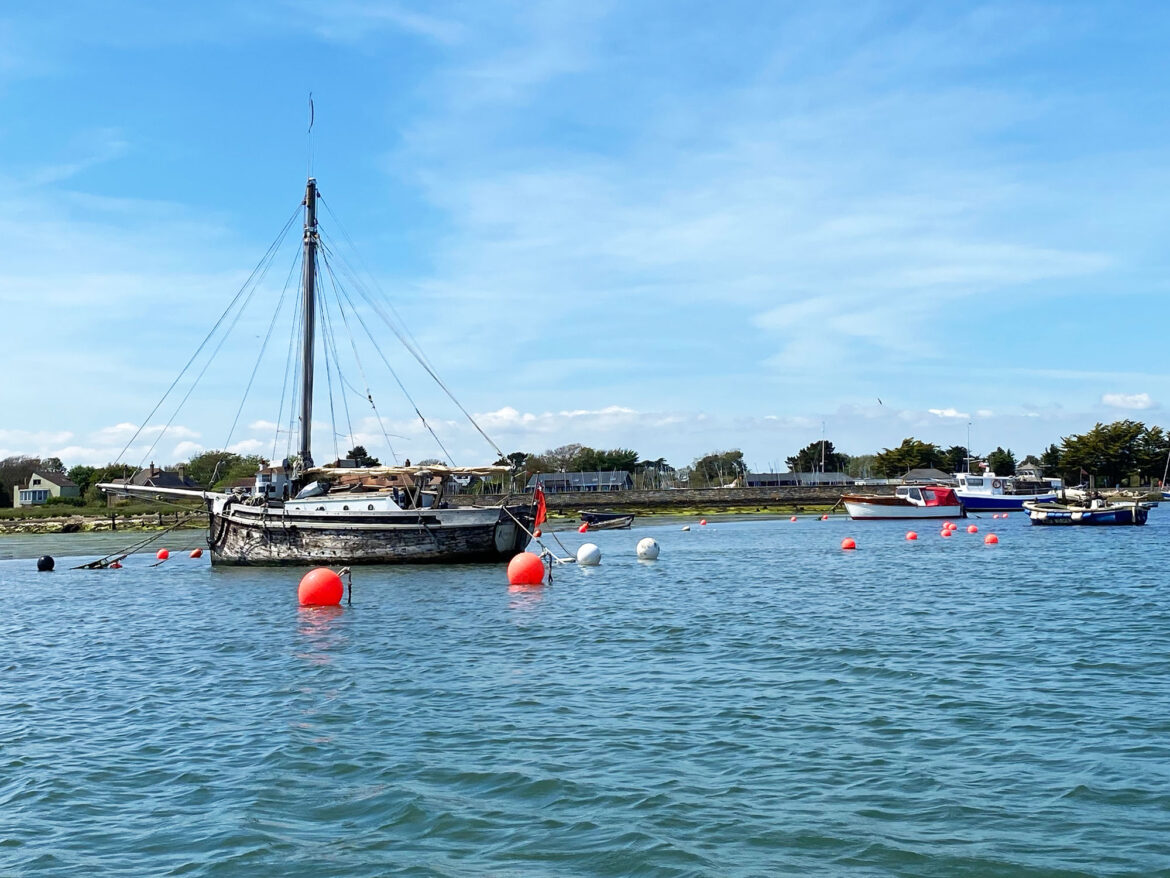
(308, 308)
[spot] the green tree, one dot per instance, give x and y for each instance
(955, 459)
(911, 454)
(1050, 461)
(861, 466)
(614, 459)
(209, 468)
(361, 457)
(52, 465)
(1151, 454)
(515, 460)
(15, 471)
(1001, 462)
(809, 458)
(717, 468)
(82, 476)
(1108, 451)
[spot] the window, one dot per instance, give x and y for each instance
(36, 481)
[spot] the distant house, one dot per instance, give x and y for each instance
(567, 483)
(928, 475)
(41, 486)
(153, 477)
(1030, 471)
(276, 481)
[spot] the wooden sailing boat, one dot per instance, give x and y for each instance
(367, 521)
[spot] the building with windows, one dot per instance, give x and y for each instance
(41, 486)
(566, 483)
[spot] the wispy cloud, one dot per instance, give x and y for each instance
(1127, 400)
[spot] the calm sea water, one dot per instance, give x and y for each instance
(756, 702)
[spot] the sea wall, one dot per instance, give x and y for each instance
(687, 498)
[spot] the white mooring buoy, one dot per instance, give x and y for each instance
(588, 555)
(647, 549)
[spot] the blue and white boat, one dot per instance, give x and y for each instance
(988, 492)
(1095, 512)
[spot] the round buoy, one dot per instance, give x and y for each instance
(196, 553)
(588, 555)
(162, 554)
(45, 563)
(972, 529)
(991, 539)
(686, 527)
(793, 518)
(1003, 515)
(320, 587)
(536, 533)
(848, 543)
(526, 569)
(647, 549)
(910, 535)
(703, 521)
(583, 528)
(825, 517)
(115, 566)
(946, 532)
(995, 515)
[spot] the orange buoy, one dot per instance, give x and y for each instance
(793, 518)
(848, 543)
(824, 517)
(991, 539)
(526, 569)
(946, 532)
(583, 528)
(536, 533)
(196, 553)
(320, 587)
(703, 521)
(910, 535)
(162, 554)
(972, 529)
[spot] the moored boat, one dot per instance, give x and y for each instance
(908, 501)
(991, 493)
(607, 520)
(348, 514)
(1096, 512)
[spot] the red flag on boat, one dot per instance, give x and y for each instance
(541, 510)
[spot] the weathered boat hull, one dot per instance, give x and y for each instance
(607, 521)
(259, 536)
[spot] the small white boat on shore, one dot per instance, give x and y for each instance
(909, 501)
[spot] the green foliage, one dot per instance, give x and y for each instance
(51, 465)
(212, 469)
(861, 466)
(515, 460)
(954, 459)
(1114, 452)
(361, 457)
(1001, 462)
(614, 459)
(82, 476)
(809, 459)
(911, 454)
(717, 468)
(15, 471)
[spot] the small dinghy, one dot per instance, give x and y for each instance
(607, 520)
(1093, 512)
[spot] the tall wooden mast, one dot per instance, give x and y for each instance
(309, 309)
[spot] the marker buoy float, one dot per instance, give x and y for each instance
(45, 563)
(910, 535)
(848, 543)
(526, 569)
(703, 521)
(583, 528)
(793, 518)
(588, 555)
(825, 517)
(536, 533)
(115, 566)
(320, 587)
(162, 554)
(991, 539)
(196, 553)
(972, 529)
(648, 549)
(946, 532)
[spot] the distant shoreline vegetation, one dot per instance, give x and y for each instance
(1123, 453)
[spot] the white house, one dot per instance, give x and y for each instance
(41, 486)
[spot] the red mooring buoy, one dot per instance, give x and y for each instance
(526, 569)
(196, 553)
(162, 554)
(848, 543)
(320, 587)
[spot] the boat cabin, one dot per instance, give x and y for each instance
(928, 495)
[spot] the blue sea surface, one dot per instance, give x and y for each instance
(756, 702)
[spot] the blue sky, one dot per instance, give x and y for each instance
(677, 227)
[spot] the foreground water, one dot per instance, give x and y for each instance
(756, 702)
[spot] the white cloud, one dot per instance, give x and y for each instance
(185, 450)
(949, 413)
(1127, 400)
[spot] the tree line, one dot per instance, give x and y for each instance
(1124, 451)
